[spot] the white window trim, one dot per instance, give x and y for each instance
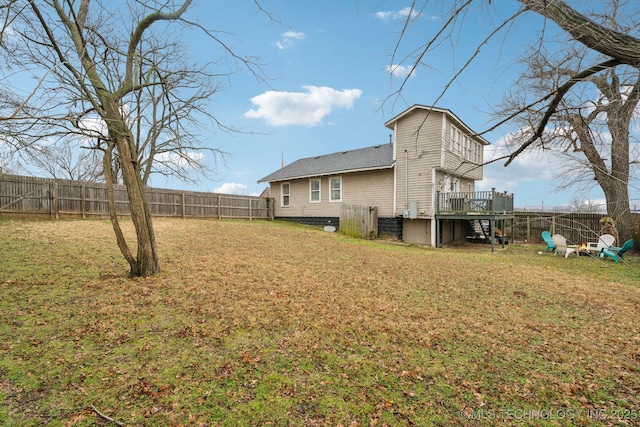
(319, 190)
(465, 146)
(331, 199)
(282, 205)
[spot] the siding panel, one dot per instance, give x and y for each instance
(370, 188)
(418, 150)
(456, 162)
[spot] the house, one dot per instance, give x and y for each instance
(422, 182)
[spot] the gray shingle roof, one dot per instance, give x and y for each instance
(369, 158)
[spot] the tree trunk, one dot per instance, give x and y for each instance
(146, 262)
(616, 185)
(617, 196)
(147, 257)
(113, 213)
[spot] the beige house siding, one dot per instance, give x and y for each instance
(433, 150)
(369, 188)
(418, 140)
(463, 184)
(455, 161)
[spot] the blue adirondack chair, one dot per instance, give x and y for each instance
(546, 236)
(617, 253)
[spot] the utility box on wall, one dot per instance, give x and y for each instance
(413, 209)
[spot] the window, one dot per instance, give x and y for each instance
(451, 185)
(455, 140)
(335, 191)
(285, 190)
(465, 146)
(314, 191)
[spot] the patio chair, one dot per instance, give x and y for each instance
(546, 237)
(604, 242)
(617, 253)
(561, 246)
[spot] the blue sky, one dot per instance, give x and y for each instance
(328, 65)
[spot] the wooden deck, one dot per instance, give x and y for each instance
(478, 203)
(493, 206)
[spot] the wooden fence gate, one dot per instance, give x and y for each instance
(359, 221)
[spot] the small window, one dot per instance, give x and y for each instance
(467, 148)
(336, 189)
(285, 191)
(314, 191)
(455, 140)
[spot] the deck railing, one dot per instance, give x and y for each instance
(480, 202)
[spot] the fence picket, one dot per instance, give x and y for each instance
(49, 197)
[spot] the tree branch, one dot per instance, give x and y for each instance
(607, 41)
(557, 98)
(142, 26)
(103, 416)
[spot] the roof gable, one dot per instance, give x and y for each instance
(362, 159)
(452, 117)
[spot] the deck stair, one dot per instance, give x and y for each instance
(480, 231)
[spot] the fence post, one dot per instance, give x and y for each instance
(51, 212)
(183, 206)
(250, 218)
(219, 206)
(82, 200)
(55, 200)
(528, 228)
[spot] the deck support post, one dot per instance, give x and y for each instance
(493, 233)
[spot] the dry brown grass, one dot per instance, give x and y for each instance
(256, 323)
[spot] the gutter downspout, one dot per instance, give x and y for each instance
(406, 179)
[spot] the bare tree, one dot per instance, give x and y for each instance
(590, 128)
(168, 113)
(115, 79)
(62, 160)
(586, 206)
(608, 41)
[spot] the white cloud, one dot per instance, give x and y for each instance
(530, 166)
(383, 16)
(233, 188)
(281, 108)
(181, 160)
(289, 38)
(92, 127)
(400, 71)
(398, 14)
(407, 12)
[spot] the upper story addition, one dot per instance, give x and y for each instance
(428, 170)
(433, 151)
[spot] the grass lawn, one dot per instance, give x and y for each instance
(265, 323)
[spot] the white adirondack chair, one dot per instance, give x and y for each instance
(561, 246)
(604, 242)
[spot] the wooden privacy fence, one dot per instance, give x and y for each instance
(576, 227)
(359, 221)
(55, 198)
